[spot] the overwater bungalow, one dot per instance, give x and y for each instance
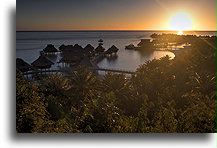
(50, 49)
(89, 48)
(87, 63)
(42, 62)
(112, 50)
(131, 47)
(64, 48)
(99, 49)
(145, 44)
(71, 58)
(78, 48)
(22, 65)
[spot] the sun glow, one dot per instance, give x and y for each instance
(180, 33)
(180, 22)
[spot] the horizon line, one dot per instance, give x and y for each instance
(107, 30)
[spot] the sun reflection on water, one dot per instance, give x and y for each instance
(180, 32)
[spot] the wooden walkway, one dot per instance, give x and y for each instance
(98, 58)
(115, 70)
(66, 71)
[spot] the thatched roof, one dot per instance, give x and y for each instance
(22, 65)
(71, 48)
(100, 49)
(112, 49)
(144, 42)
(66, 48)
(42, 62)
(78, 47)
(50, 48)
(62, 47)
(89, 48)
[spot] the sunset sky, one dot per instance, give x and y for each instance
(112, 14)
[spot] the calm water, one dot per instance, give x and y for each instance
(28, 45)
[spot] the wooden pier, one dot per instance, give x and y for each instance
(98, 58)
(115, 70)
(70, 70)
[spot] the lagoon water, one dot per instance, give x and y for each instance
(29, 44)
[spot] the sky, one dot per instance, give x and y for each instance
(44, 15)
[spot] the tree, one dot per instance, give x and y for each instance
(84, 84)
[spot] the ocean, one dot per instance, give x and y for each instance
(29, 45)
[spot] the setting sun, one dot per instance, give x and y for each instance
(180, 22)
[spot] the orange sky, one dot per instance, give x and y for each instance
(112, 14)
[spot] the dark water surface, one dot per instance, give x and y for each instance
(28, 45)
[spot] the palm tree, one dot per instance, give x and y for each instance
(120, 86)
(83, 84)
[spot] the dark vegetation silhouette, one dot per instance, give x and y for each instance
(164, 96)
